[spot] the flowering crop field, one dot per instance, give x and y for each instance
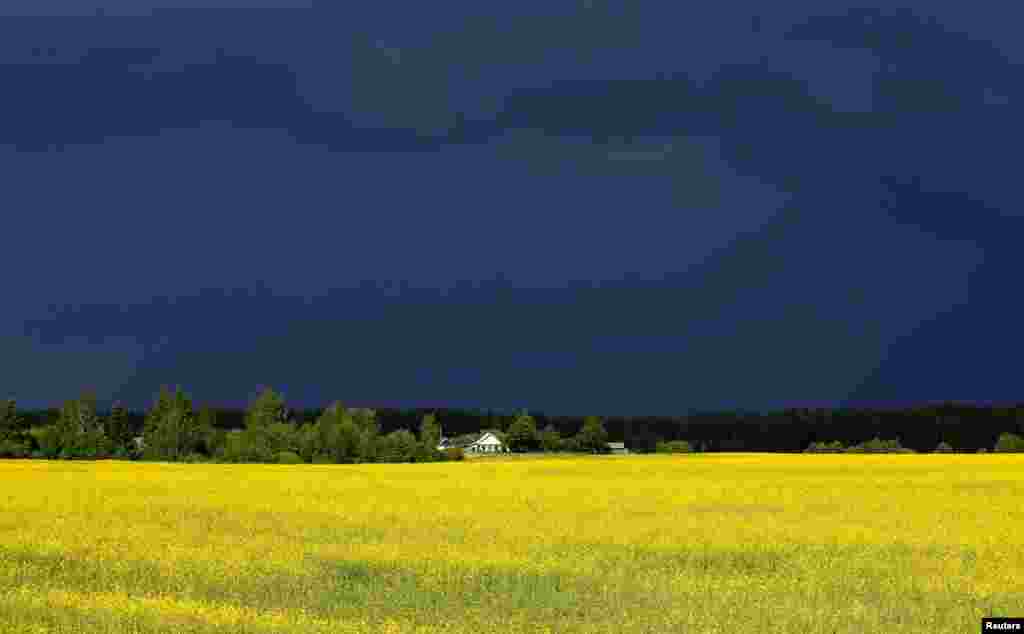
(696, 543)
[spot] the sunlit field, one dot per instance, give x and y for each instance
(699, 543)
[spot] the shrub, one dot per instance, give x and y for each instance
(289, 457)
(454, 453)
(673, 446)
(944, 447)
(1009, 443)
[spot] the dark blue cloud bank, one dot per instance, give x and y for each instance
(612, 207)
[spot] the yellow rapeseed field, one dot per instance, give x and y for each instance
(700, 543)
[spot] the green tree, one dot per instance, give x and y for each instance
(308, 442)
(209, 438)
(255, 443)
(338, 436)
(9, 421)
(345, 441)
(118, 431)
(550, 439)
(15, 442)
(80, 430)
(326, 429)
(66, 428)
(369, 433)
(522, 433)
(430, 430)
(430, 438)
(157, 415)
(593, 436)
(171, 431)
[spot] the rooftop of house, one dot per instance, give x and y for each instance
(451, 442)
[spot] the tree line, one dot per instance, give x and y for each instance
(268, 431)
(174, 430)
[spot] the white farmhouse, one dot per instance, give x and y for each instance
(487, 443)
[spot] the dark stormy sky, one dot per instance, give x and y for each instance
(587, 206)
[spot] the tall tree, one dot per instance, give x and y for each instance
(430, 431)
(117, 428)
(593, 436)
(188, 438)
(88, 419)
(255, 443)
(158, 413)
(14, 441)
(171, 430)
(522, 433)
(210, 438)
(10, 423)
(66, 427)
(430, 438)
(80, 430)
(368, 427)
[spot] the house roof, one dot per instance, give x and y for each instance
(487, 435)
(450, 442)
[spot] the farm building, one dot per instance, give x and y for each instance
(618, 447)
(486, 442)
